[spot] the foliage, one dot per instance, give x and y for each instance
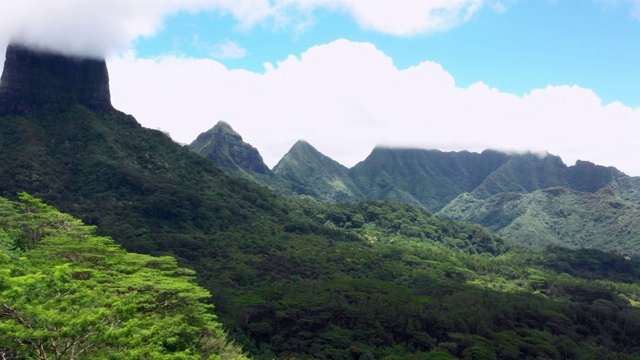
(556, 216)
(74, 295)
(290, 277)
(311, 173)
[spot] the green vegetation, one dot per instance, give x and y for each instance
(226, 149)
(289, 276)
(556, 216)
(66, 293)
(311, 173)
(388, 292)
(366, 280)
(526, 198)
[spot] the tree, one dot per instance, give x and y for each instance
(73, 294)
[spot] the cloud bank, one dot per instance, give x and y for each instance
(98, 28)
(347, 97)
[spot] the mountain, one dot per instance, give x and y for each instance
(527, 198)
(556, 216)
(428, 178)
(29, 83)
(155, 196)
(100, 165)
(432, 178)
(525, 173)
(227, 150)
(290, 277)
(302, 171)
(589, 177)
(541, 201)
(311, 173)
(522, 197)
(626, 188)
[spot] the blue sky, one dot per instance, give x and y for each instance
(531, 44)
(545, 76)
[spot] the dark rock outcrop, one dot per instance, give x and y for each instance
(34, 79)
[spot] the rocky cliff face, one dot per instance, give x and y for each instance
(34, 79)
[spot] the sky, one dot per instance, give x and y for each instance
(556, 76)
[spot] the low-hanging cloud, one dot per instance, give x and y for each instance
(98, 28)
(347, 97)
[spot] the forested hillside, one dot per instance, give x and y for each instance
(66, 293)
(557, 216)
(527, 198)
(393, 282)
(290, 277)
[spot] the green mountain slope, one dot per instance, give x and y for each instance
(386, 292)
(227, 150)
(557, 216)
(529, 172)
(311, 173)
(428, 178)
(627, 188)
(509, 193)
(302, 171)
(135, 183)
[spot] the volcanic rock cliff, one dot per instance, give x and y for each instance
(34, 79)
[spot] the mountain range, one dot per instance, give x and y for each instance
(291, 276)
(529, 198)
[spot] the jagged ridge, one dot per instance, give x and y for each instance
(498, 190)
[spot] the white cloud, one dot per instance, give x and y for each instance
(99, 28)
(404, 17)
(345, 98)
(228, 50)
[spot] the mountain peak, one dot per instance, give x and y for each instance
(302, 144)
(226, 148)
(305, 153)
(223, 126)
(312, 173)
(33, 79)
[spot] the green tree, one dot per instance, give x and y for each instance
(75, 295)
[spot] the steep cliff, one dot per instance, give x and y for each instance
(33, 80)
